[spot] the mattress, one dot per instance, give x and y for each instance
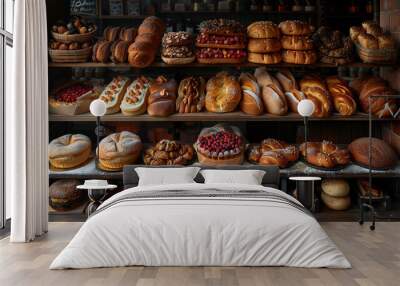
(201, 225)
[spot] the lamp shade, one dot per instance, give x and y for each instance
(98, 108)
(305, 107)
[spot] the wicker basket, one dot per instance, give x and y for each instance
(70, 56)
(80, 38)
(376, 56)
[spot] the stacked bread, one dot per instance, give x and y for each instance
(336, 194)
(191, 95)
(264, 46)
(142, 52)
(220, 41)
(273, 152)
(325, 154)
(162, 97)
(177, 48)
(368, 86)
(119, 149)
(370, 36)
(333, 47)
(169, 152)
(296, 42)
(114, 45)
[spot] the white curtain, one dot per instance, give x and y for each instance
(27, 123)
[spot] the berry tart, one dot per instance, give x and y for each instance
(220, 145)
(73, 98)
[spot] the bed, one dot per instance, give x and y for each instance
(197, 224)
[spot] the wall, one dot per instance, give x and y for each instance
(390, 21)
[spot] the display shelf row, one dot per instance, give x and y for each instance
(237, 116)
(89, 171)
(199, 65)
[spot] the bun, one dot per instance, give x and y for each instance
(386, 42)
(223, 93)
(355, 31)
(272, 94)
(141, 54)
(336, 203)
(168, 152)
(119, 149)
(268, 58)
(101, 51)
(69, 151)
(263, 30)
(251, 100)
(343, 100)
(191, 95)
(335, 187)
(382, 155)
(325, 154)
(264, 45)
(299, 57)
(162, 97)
(368, 41)
(296, 28)
(315, 89)
(114, 92)
(297, 43)
(136, 95)
(119, 52)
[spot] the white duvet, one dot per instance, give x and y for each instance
(188, 231)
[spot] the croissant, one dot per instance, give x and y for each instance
(343, 100)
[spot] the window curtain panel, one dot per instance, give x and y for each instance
(27, 123)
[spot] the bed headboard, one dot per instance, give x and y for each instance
(271, 177)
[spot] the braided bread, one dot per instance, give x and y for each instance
(325, 154)
(343, 100)
(314, 88)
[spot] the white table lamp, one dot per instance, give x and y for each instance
(306, 108)
(97, 108)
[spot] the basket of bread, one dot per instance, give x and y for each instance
(76, 30)
(372, 45)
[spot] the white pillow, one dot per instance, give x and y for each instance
(166, 176)
(248, 177)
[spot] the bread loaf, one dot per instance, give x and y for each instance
(343, 100)
(267, 58)
(292, 93)
(295, 28)
(69, 151)
(251, 99)
(298, 43)
(314, 88)
(299, 57)
(368, 41)
(264, 45)
(263, 30)
(162, 98)
(325, 154)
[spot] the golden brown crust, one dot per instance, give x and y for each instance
(343, 100)
(299, 57)
(368, 41)
(102, 51)
(111, 33)
(223, 93)
(263, 30)
(296, 28)
(268, 58)
(325, 154)
(315, 89)
(128, 34)
(119, 52)
(141, 54)
(161, 101)
(191, 95)
(69, 151)
(298, 43)
(168, 152)
(264, 45)
(372, 28)
(251, 98)
(355, 31)
(386, 42)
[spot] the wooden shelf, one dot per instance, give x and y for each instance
(235, 13)
(122, 17)
(299, 169)
(198, 65)
(206, 116)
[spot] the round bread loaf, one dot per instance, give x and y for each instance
(64, 195)
(263, 30)
(69, 150)
(382, 155)
(264, 45)
(297, 43)
(336, 203)
(119, 149)
(141, 53)
(299, 57)
(335, 187)
(223, 93)
(296, 28)
(386, 42)
(267, 58)
(368, 41)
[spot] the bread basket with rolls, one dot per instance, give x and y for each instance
(70, 56)
(220, 145)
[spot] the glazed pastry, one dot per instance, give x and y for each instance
(316, 90)
(177, 48)
(263, 30)
(191, 95)
(168, 152)
(223, 93)
(251, 95)
(295, 28)
(119, 149)
(69, 151)
(114, 92)
(136, 95)
(343, 100)
(271, 91)
(325, 154)
(267, 58)
(220, 145)
(162, 98)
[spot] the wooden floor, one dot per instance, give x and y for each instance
(375, 257)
